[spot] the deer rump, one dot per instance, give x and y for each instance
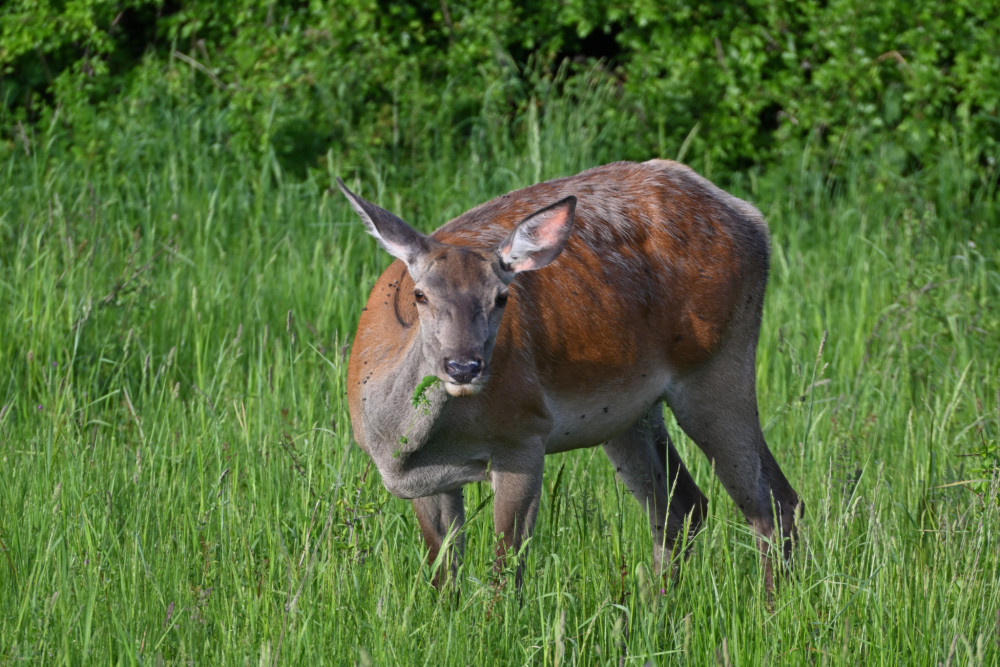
(563, 316)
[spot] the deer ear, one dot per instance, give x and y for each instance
(398, 238)
(539, 238)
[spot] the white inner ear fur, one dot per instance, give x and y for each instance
(537, 240)
(397, 250)
(523, 243)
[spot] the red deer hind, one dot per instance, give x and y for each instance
(561, 316)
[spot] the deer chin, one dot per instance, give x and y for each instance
(468, 389)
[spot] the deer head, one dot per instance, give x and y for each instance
(461, 292)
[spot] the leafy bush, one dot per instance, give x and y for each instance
(55, 54)
(717, 83)
(751, 79)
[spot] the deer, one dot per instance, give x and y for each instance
(565, 315)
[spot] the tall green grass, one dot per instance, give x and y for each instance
(179, 482)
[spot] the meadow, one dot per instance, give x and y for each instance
(179, 482)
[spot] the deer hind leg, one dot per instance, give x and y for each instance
(646, 461)
(717, 407)
(441, 518)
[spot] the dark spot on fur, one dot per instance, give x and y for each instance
(605, 411)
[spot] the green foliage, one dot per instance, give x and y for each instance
(756, 80)
(419, 397)
(718, 84)
(69, 53)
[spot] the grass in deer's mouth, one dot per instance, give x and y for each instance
(420, 392)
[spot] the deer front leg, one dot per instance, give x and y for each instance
(441, 518)
(517, 487)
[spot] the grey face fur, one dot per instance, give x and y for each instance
(460, 296)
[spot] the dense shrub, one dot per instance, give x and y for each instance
(729, 84)
(754, 76)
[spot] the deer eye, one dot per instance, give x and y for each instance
(419, 296)
(501, 299)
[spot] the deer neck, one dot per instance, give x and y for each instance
(399, 419)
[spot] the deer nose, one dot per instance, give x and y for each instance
(463, 372)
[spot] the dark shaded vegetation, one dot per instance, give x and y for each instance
(722, 85)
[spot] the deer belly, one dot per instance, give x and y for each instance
(590, 419)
